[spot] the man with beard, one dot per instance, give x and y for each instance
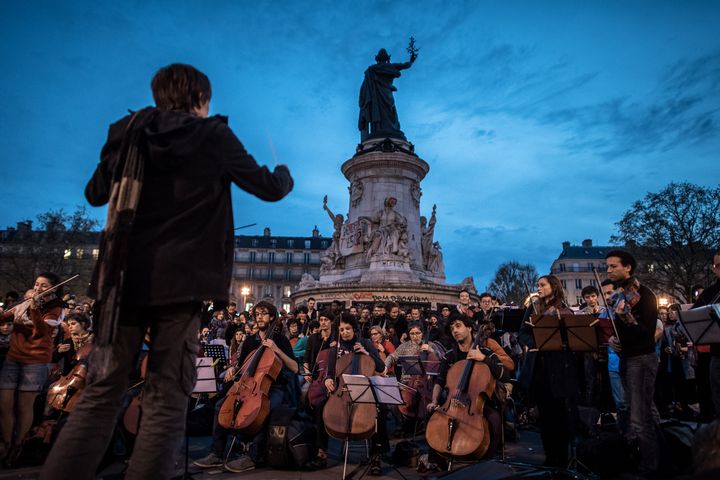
(281, 392)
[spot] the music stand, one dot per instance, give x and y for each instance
(508, 319)
(413, 365)
(375, 390)
(566, 333)
(575, 333)
(702, 324)
(216, 352)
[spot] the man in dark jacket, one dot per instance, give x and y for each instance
(636, 313)
(180, 252)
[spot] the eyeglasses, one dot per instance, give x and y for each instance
(260, 313)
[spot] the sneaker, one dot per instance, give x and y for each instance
(240, 464)
(211, 460)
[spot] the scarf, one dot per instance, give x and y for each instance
(108, 277)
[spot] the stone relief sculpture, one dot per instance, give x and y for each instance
(307, 281)
(416, 193)
(427, 230)
(436, 265)
(388, 232)
(356, 192)
(332, 257)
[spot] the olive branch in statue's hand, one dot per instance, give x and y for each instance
(412, 49)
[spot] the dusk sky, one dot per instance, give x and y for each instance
(541, 121)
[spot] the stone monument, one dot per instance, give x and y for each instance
(384, 249)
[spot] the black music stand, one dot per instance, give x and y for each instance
(413, 365)
(574, 333)
(702, 324)
(375, 390)
(566, 333)
(217, 352)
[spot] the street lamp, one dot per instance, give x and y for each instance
(245, 291)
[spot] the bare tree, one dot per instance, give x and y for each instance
(62, 244)
(673, 233)
(511, 281)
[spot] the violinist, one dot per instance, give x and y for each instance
(349, 343)
(27, 365)
(550, 378)
(491, 354)
(635, 310)
(281, 392)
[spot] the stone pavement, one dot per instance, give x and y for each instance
(527, 450)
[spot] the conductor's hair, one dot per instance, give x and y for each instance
(180, 87)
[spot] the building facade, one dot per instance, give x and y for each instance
(574, 267)
(265, 267)
(270, 267)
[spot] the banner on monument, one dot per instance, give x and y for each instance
(351, 237)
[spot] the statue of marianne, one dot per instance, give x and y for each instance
(378, 116)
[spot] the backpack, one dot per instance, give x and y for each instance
(291, 439)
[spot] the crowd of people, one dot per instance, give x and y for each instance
(645, 369)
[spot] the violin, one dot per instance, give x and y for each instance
(458, 428)
(65, 393)
(248, 403)
(343, 419)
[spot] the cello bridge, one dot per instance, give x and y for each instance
(457, 403)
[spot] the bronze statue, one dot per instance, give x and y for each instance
(378, 116)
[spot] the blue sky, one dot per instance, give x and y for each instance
(541, 121)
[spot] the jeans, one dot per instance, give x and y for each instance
(169, 382)
(638, 378)
(618, 395)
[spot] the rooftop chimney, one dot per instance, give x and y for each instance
(266, 232)
(587, 243)
(566, 245)
(315, 232)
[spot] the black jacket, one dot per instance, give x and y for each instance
(181, 247)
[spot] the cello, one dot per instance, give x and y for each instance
(247, 405)
(344, 419)
(458, 429)
(64, 394)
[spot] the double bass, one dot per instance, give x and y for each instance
(247, 405)
(458, 429)
(344, 419)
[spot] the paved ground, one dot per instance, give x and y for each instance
(527, 450)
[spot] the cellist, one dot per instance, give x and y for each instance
(493, 355)
(281, 392)
(412, 348)
(349, 343)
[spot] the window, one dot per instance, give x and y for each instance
(254, 242)
(578, 283)
(273, 243)
(578, 300)
(307, 244)
(95, 253)
(286, 307)
(271, 257)
(323, 244)
(564, 283)
(291, 244)
(593, 283)
(575, 267)
(252, 257)
(287, 289)
(591, 266)
(288, 257)
(288, 275)
(79, 253)
(562, 267)
(68, 253)
(306, 258)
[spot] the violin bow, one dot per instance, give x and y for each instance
(530, 298)
(43, 293)
(610, 313)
